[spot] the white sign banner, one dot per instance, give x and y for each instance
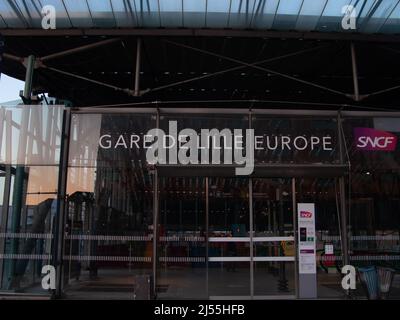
(306, 232)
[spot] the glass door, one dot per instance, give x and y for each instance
(273, 240)
(225, 238)
(251, 238)
(181, 245)
(229, 261)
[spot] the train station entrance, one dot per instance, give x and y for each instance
(198, 230)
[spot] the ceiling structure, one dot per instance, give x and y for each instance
(373, 16)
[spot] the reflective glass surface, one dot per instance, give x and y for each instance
(321, 15)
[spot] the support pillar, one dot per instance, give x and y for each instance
(137, 69)
(342, 193)
(58, 244)
(355, 72)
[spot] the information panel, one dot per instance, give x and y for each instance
(307, 247)
(306, 225)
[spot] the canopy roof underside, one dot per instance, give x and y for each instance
(372, 16)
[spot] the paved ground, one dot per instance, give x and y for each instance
(190, 283)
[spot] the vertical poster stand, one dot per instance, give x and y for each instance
(307, 251)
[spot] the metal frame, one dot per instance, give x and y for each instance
(186, 32)
(296, 239)
(309, 83)
(136, 92)
(58, 246)
(251, 258)
(4, 217)
(272, 112)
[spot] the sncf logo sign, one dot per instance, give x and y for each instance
(374, 140)
(305, 214)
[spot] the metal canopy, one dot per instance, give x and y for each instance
(373, 16)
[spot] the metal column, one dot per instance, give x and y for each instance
(206, 234)
(4, 218)
(251, 238)
(295, 234)
(29, 77)
(137, 70)
(58, 245)
(342, 191)
(155, 220)
(355, 73)
(250, 187)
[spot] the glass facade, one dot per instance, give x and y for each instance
(303, 15)
(30, 139)
(374, 192)
(189, 221)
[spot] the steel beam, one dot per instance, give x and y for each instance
(192, 32)
(13, 57)
(126, 90)
(79, 49)
(257, 67)
(202, 77)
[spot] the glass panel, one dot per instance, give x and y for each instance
(62, 20)
(324, 193)
(218, 13)
(332, 16)
(2, 22)
(321, 15)
(371, 144)
(264, 17)
(29, 159)
(101, 140)
(229, 245)
(109, 221)
(171, 13)
(148, 13)
(80, 14)
(290, 140)
(310, 13)
(11, 17)
(215, 147)
(273, 218)
(374, 190)
(30, 227)
(380, 15)
(391, 25)
(182, 243)
(241, 13)
(287, 13)
(124, 13)
(194, 13)
(102, 14)
(31, 12)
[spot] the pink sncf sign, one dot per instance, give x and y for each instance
(374, 140)
(305, 214)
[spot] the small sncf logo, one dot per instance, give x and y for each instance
(374, 140)
(305, 214)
